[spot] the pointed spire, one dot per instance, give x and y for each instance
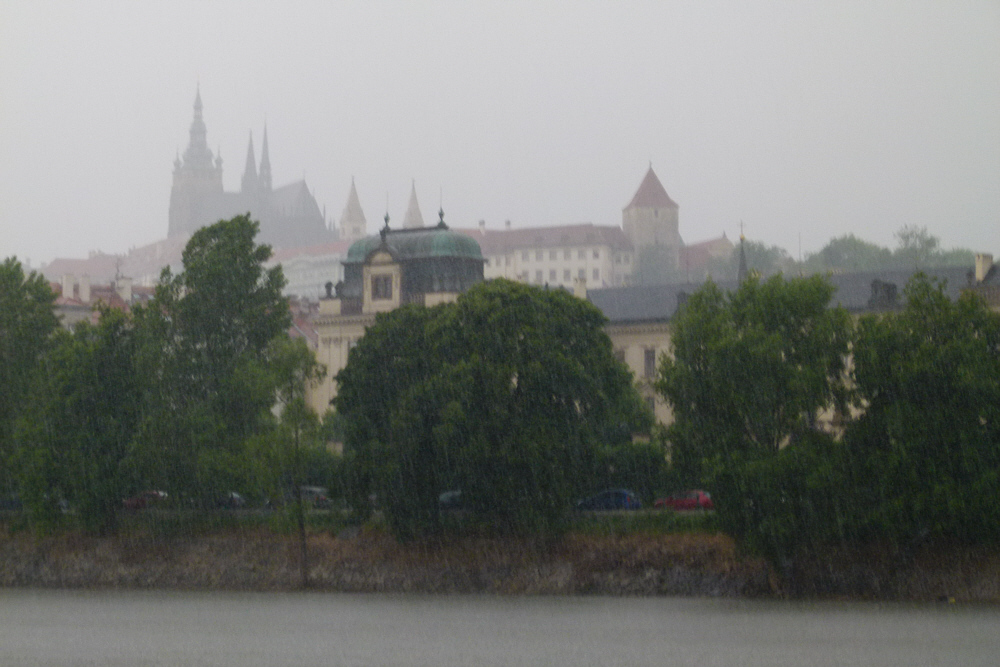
(249, 182)
(651, 193)
(198, 155)
(265, 165)
(441, 224)
(352, 221)
(413, 219)
(742, 272)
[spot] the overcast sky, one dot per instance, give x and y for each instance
(805, 120)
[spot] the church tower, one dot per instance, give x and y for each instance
(197, 175)
(265, 185)
(413, 219)
(650, 219)
(353, 225)
(248, 185)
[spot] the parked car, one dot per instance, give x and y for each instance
(686, 500)
(610, 499)
(144, 499)
(316, 496)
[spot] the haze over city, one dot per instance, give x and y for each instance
(804, 121)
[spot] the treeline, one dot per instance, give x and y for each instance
(815, 430)
(915, 249)
(199, 392)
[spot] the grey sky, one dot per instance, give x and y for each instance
(817, 119)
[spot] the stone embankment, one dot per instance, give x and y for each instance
(704, 565)
(370, 561)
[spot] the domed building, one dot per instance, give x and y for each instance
(421, 265)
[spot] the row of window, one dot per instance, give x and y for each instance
(567, 275)
(648, 359)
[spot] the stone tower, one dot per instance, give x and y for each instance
(353, 225)
(650, 219)
(197, 175)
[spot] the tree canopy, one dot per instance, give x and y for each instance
(504, 395)
(27, 321)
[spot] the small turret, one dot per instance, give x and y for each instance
(249, 183)
(413, 219)
(265, 166)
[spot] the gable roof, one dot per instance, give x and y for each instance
(651, 194)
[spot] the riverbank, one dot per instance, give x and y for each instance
(370, 561)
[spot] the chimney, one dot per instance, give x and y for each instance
(68, 283)
(580, 288)
(482, 226)
(124, 288)
(85, 288)
(983, 263)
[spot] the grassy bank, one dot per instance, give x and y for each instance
(633, 554)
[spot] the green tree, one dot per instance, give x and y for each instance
(761, 258)
(204, 343)
(927, 447)
(750, 369)
(849, 253)
(27, 321)
(75, 436)
(505, 395)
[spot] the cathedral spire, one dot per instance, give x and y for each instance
(249, 182)
(198, 155)
(413, 219)
(265, 165)
(352, 221)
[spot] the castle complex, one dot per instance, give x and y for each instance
(289, 215)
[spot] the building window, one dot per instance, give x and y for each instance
(582, 254)
(506, 261)
(650, 362)
(552, 275)
(567, 254)
(620, 354)
(538, 255)
(552, 254)
(381, 287)
(582, 275)
(597, 274)
(567, 275)
(524, 256)
(651, 403)
(538, 277)
(487, 262)
(597, 253)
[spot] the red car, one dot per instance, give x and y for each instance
(686, 500)
(144, 500)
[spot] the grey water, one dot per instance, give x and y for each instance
(193, 629)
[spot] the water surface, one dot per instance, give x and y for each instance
(195, 629)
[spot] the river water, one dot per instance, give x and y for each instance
(193, 629)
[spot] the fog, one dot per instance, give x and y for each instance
(803, 120)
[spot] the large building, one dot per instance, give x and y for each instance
(416, 265)
(289, 215)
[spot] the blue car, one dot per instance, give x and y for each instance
(610, 499)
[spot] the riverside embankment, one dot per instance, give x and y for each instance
(371, 561)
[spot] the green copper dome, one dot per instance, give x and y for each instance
(417, 244)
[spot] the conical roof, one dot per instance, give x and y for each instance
(413, 219)
(265, 165)
(249, 182)
(651, 194)
(352, 211)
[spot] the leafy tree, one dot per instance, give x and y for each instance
(505, 395)
(74, 438)
(927, 447)
(916, 247)
(751, 369)
(849, 253)
(204, 343)
(27, 321)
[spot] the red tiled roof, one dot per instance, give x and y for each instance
(499, 241)
(651, 194)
